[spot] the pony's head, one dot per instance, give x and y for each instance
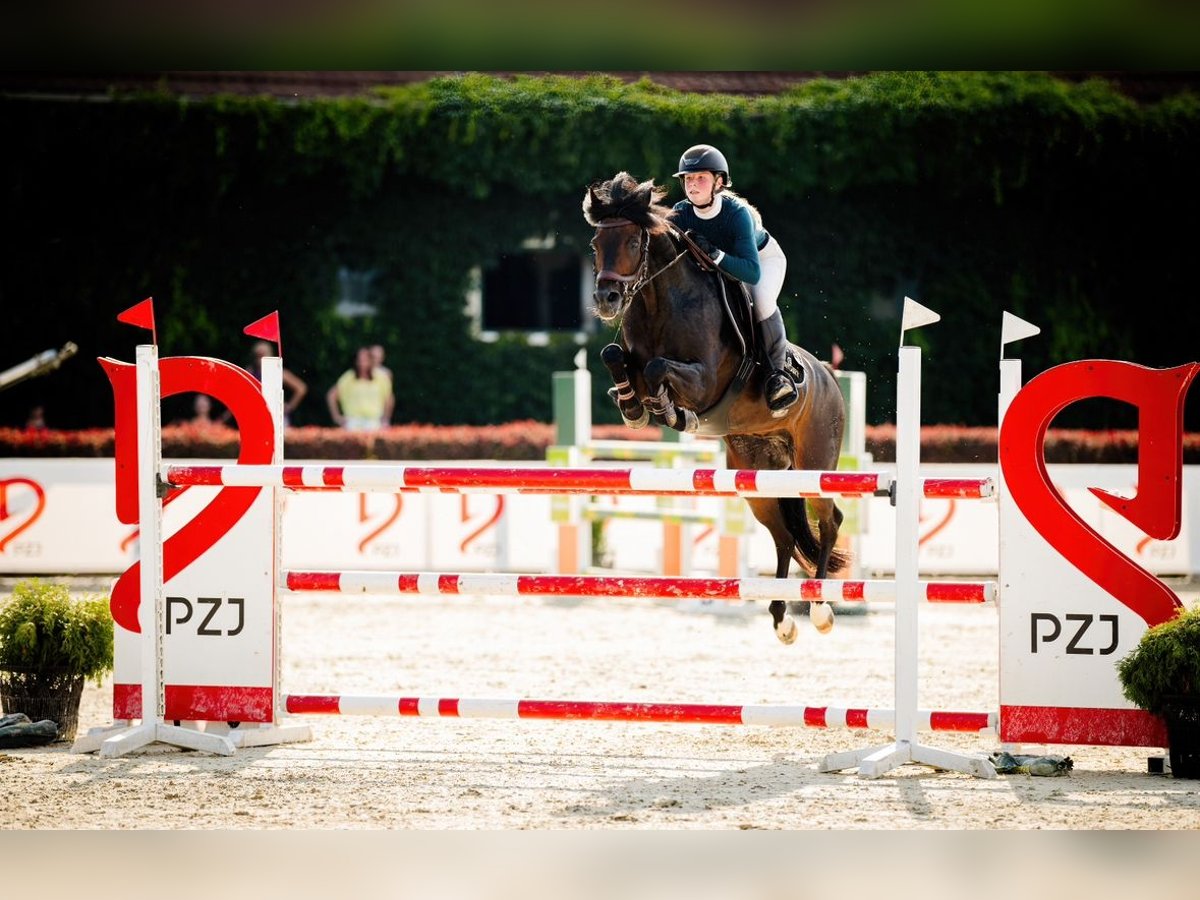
(625, 212)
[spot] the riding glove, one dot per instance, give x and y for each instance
(705, 245)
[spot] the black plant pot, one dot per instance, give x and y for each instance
(1181, 712)
(44, 694)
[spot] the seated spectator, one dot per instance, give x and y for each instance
(362, 399)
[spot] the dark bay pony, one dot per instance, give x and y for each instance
(680, 351)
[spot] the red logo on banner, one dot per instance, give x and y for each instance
(241, 393)
(1158, 395)
(464, 513)
(363, 516)
(18, 526)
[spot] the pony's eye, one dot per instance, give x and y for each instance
(633, 243)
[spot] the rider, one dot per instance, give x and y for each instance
(730, 231)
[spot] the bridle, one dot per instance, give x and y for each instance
(632, 284)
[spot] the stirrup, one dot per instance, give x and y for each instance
(780, 391)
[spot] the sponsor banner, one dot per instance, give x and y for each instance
(57, 517)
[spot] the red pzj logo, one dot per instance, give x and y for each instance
(241, 393)
(1158, 395)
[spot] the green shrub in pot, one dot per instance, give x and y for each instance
(49, 645)
(1162, 676)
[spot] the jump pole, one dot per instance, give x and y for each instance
(447, 584)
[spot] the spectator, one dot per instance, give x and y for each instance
(37, 419)
(291, 382)
(377, 361)
(202, 412)
(362, 399)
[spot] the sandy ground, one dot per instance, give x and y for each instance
(444, 774)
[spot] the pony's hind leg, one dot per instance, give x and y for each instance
(829, 559)
(768, 513)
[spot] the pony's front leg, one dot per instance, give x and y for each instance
(685, 381)
(632, 411)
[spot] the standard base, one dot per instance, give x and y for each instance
(872, 762)
(210, 737)
(263, 735)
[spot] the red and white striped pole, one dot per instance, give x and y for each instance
(499, 479)
(615, 711)
(645, 587)
(533, 480)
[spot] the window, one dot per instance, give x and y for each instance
(354, 292)
(539, 288)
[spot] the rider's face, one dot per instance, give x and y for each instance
(699, 187)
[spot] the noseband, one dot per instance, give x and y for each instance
(632, 284)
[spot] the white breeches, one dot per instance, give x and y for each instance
(766, 293)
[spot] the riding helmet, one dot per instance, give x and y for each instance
(704, 158)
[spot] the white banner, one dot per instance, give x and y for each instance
(57, 518)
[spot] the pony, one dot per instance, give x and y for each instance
(684, 362)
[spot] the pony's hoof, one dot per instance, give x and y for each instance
(821, 615)
(786, 630)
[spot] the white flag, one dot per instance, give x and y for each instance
(916, 315)
(1016, 329)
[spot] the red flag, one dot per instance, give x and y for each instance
(266, 328)
(141, 315)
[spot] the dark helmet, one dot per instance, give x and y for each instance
(704, 158)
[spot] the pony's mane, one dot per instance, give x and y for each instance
(624, 197)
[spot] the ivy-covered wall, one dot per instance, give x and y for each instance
(972, 192)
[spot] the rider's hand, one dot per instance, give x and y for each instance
(705, 245)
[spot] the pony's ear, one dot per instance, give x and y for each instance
(590, 200)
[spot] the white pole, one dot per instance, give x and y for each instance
(908, 461)
(149, 455)
(272, 390)
(1010, 383)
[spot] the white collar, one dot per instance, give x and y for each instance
(712, 212)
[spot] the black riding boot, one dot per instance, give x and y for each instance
(779, 390)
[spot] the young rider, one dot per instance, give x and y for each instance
(730, 231)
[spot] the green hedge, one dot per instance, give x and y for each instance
(972, 192)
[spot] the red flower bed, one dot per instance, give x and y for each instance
(529, 440)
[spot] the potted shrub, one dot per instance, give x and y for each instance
(49, 645)
(1162, 676)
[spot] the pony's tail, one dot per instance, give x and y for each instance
(807, 549)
